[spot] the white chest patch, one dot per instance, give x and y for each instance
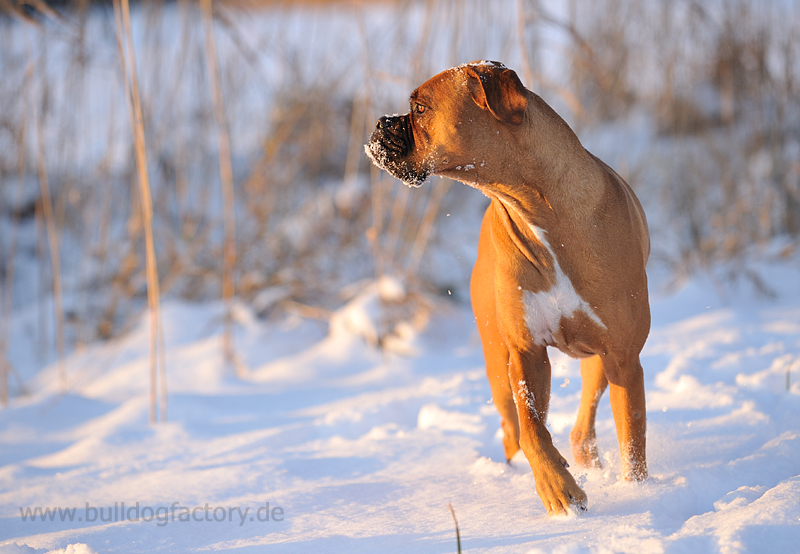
(544, 309)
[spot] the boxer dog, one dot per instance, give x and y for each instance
(561, 261)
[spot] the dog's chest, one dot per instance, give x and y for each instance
(544, 310)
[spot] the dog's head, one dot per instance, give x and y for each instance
(453, 118)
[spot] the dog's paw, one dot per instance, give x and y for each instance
(635, 470)
(584, 450)
(579, 506)
(558, 490)
(510, 441)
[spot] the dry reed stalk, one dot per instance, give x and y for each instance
(52, 237)
(458, 532)
(226, 180)
(426, 226)
(181, 164)
(123, 22)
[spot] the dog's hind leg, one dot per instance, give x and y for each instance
(583, 437)
(494, 350)
(626, 379)
(496, 356)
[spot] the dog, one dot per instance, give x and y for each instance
(561, 261)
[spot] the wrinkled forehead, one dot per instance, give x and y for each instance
(447, 80)
(452, 78)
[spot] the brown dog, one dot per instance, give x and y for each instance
(561, 260)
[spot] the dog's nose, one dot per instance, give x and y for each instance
(389, 122)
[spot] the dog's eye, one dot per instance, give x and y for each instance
(419, 108)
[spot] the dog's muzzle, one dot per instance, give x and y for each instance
(391, 146)
(394, 135)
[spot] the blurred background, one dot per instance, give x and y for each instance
(695, 103)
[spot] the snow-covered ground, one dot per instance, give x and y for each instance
(330, 445)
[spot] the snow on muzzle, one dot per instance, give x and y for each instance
(391, 147)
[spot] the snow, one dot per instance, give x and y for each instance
(346, 447)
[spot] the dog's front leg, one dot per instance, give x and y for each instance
(529, 375)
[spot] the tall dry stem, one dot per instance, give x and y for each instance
(124, 35)
(226, 180)
(458, 532)
(53, 241)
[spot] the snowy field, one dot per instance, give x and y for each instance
(329, 445)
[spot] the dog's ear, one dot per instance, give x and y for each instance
(498, 89)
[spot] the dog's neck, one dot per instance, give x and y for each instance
(556, 179)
